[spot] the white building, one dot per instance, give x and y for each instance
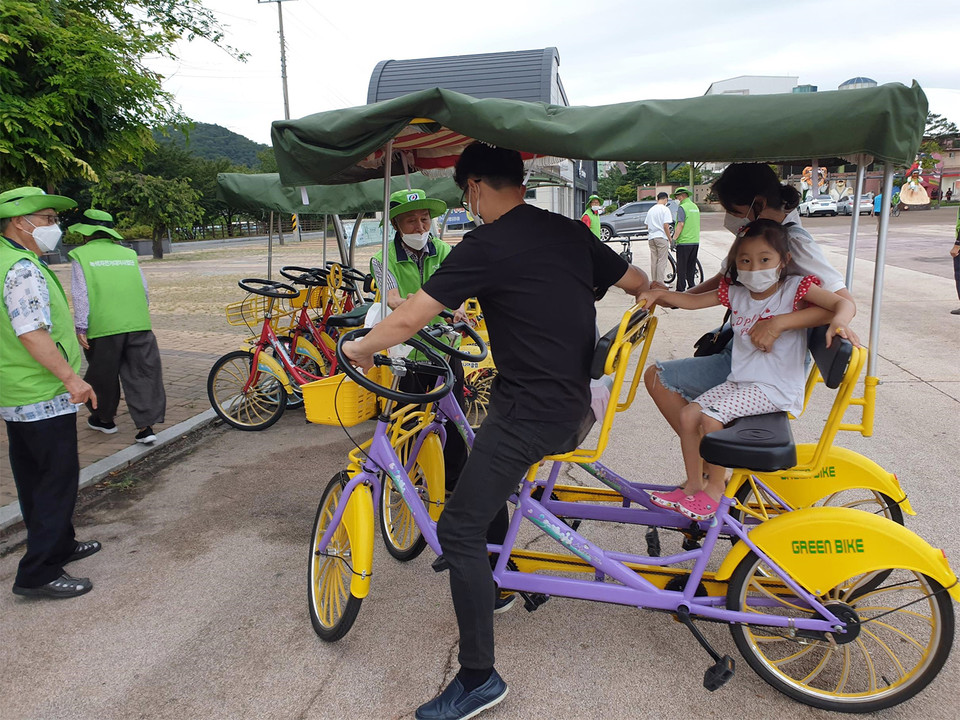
(754, 85)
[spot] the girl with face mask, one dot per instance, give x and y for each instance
(756, 286)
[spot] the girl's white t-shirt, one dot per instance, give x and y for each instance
(780, 373)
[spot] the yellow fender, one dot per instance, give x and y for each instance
(358, 522)
(821, 547)
(328, 341)
(267, 364)
(842, 469)
(430, 460)
(307, 348)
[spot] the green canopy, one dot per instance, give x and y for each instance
(430, 128)
(264, 192)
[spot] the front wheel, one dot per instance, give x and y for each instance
(672, 272)
(398, 526)
(257, 408)
(333, 608)
(901, 637)
(605, 233)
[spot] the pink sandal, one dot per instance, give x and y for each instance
(668, 500)
(698, 507)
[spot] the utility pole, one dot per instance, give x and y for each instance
(283, 57)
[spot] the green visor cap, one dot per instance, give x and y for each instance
(28, 200)
(95, 221)
(406, 200)
(682, 190)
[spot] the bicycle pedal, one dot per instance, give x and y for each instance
(653, 542)
(532, 601)
(719, 674)
(440, 564)
(690, 544)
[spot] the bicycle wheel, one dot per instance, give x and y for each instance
(256, 409)
(870, 501)
(901, 637)
(672, 272)
(401, 535)
(333, 608)
(698, 274)
(476, 391)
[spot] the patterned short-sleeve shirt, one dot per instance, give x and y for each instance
(26, 299)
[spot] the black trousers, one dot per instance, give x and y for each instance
(686, 265)
(46, 470)
(956, 271)
(133, 358)
(503, 451)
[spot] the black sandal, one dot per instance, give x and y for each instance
(64, 586)
(84, 549)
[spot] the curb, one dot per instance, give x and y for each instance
(10, 514)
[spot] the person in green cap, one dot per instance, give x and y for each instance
(112, 321)
(686, 238)
(39, 392)
(591, 216)
(412, 258)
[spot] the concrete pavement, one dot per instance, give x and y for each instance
(199, 603)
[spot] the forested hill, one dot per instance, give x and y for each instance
(213, 142)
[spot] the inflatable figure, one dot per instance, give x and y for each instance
(806, 180)
(912, 192)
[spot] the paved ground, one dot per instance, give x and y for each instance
(199, 607)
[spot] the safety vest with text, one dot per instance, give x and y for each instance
(118, 303)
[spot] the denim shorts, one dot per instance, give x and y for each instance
(691, 377)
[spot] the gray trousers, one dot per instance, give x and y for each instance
(134, 359)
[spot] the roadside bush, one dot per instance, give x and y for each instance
(136, 232)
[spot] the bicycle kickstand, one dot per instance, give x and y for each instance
(718, 674)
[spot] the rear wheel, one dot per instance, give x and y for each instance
(256, 409)
(333, 609)
(476, 392)
(305, 363)
(902, 632)
(672, 272)
(870, 501)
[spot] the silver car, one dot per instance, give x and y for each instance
(630, 220)
(845, 205)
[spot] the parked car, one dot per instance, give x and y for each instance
(820, 205)
(630, 220)
(845, 205)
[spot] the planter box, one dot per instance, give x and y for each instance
(145, 247)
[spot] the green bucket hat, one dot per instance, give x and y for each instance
(594, 197)
(682, 190)
(27, 200)
(96, 221)
(406, 200)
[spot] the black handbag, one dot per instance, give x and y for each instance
(714, 341)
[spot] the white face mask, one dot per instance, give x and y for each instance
(758, 281)
(46, 236)
(595, 208)
(475, 211)
(735, 224)
(418, 241)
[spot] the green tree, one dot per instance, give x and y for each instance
(161, 203)
(938, 127)
(77, 99)
(268, 161)
(626, 193)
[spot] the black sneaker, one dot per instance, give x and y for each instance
(456, 704)
(64, 586)
(146, 436)
(504, 602)
(106, 428)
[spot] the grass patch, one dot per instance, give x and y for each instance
(124, 482)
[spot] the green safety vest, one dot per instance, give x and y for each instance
(24, 381)
(408, 274)
(690, 235)
(594, 221)
(117, 301)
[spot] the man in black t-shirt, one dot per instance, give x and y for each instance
(536, 275)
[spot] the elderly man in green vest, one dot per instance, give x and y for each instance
(112, 319)
(412, 259)
(686, 238)
(591, 216)
(39, 391)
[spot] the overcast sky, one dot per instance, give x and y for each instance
(610, 50)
